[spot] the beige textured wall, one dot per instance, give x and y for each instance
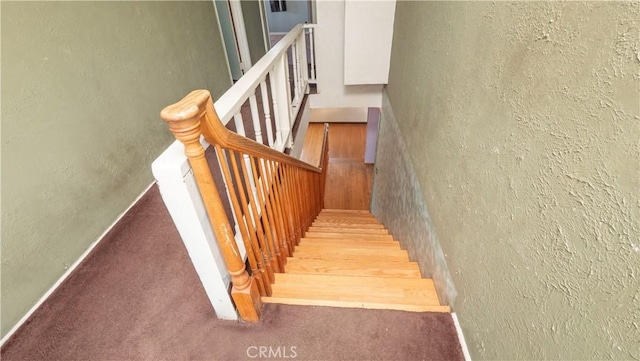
(82, 87)
(522, 125)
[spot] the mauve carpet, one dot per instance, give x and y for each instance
(137, 297)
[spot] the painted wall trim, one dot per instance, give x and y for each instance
(224, 48)
(463, 342)
(72, 268)
(241, 34)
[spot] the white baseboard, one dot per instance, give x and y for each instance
(463, 343)
(70, 269)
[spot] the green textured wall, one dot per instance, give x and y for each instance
(82, 87)
(522, 125)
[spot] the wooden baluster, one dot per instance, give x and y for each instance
(246, 229)
(273, 217)
(278, 251)
(291, 206)
(184, 120)
(266, 107)
(249, 176)
(325, 166)
(268, 219)
(288, 205)
(295, 202)
(267, 212)
(276, 210)
(280, 208)
(310, 205)
(305, 194)
(255, 116)
(255, 228)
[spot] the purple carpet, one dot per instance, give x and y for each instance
(137, 297)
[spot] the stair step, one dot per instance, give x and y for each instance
(347, 225)
(350, 268)
(347, 258)
(345, 211)
(349, 243)
(347, 215)
(356, 239)
(354, 254)
(408, 294)
(353, 236)
(347, 230)
(346, 220)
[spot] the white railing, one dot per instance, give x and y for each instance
(265, 101)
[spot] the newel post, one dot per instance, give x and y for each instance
(185, 122)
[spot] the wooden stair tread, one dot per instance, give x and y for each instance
(353, 254)
(349, 268)
(353, 236)
(346, 211)
(347, 230)
(348, 243)
(346, 216)
(347, 225)
(344, 220)
(311, 248)
(360, 291)
(356, 304)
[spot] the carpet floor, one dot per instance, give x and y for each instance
(137, 297)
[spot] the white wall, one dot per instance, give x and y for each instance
(367, 45)
(332, 93)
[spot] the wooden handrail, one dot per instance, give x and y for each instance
(274, 197)
(198, 104)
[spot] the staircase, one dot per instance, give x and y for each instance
(348, 259)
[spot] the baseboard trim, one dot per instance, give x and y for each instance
(463, 343)
(70, 270)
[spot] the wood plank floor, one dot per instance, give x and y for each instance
(349, 180)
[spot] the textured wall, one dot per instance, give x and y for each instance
(405, 213)
(82, 87)
(522, 125)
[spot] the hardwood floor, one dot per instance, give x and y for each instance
(349, 180)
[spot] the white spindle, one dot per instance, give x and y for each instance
(237, 119)
(266, 107)
(304, 65)
(240, 130)
(295, 64)
(312, 54)
(255, 116)
(280, 81)
(273, 80)
(289, 108)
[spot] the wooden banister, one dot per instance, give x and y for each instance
(274, 197)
